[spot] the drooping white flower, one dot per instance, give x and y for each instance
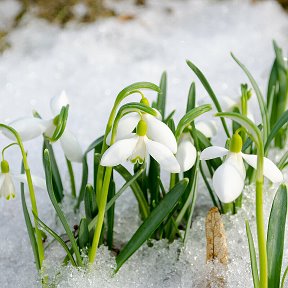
(208, 128)
(156, 130)
(7, 188)
(229, 178)
(31, 127)
(228, 105)
(186, 153)
(137, 147)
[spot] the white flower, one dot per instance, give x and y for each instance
(228, 179)
(208, 128)
(137, 147)
(186, 153)
(7, 188)
(31, 127)
(156, 130)
(228, 105)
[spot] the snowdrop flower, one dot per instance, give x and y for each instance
(186, 153)
(228, 105)
(208, 128)
(7, 188)
(31, 127)
(152, 138)
(228, 179)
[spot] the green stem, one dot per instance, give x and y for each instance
(72, 178)
(260, 219)
(101, 214)
(31, 191)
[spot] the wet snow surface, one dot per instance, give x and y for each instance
(93, 63)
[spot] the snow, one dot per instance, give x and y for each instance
(93, 63)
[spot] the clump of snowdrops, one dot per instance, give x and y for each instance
(143, 134)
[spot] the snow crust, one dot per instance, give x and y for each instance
(93, 63)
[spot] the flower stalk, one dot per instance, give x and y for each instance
(31, 190)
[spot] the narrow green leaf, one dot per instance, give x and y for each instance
(251, 128)
(110, 215)
(276, 236)
(61, 124)
(72, 177)
(96, 144)
(153, 184)
(169, 117)
(144, 208)
(90, 202)
(252, 256)
(30, 229)
(60, 214)
(283, 161)
(278, 125)
(153, 221)
(57, 238)
(191, 101)
(261, 102)
(284, 277)
(210, 92)
(83, 237)
(191, 116)
(161, 98)
(116, 196)
(56, 177)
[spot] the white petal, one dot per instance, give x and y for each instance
(57, 102)
(186, 154)
(208, 128)
(2, 178)
(227, 182)
(125, 127)
(139, 152)
(119, 152)
(160, 132)
(227, 104)
(163, 156)
(213, 152)
(28, 128)
(7, 189)
(71, 146)
(270, 170)
(37, 181)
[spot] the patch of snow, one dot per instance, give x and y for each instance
(93, 63)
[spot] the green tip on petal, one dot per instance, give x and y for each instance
(145, 101)
(5, 166)
(236, 143)
(141, 128)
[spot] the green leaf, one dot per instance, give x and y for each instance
(161, 98)
(210, 92)
(57, 238)
(284, 277)
(30, 229)
(110, 215)
(278, 125)
(276, 236)
(261, 102)
(252, 256)
(96, 144)
(189, 117)
(152, 222)
(116, 196)
(83, 237)
(61, 124)
(283, 161)
(72, 177)
(191, 101)
(56, 177)
(90, 202)
(144, 208)
(60, 214)
(251, 128)
(153, 183)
